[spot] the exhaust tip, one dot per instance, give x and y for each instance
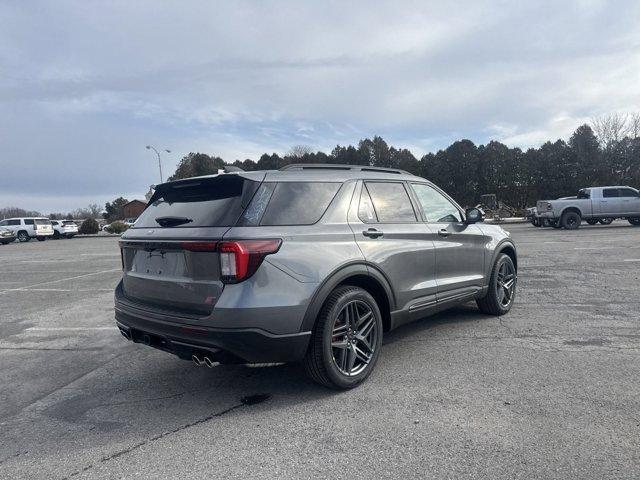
(210, 363)
(146, 339)
(196, 360)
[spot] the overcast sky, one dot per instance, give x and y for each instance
(84, 86)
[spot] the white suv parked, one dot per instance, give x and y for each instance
(28, 228)
(64, 228)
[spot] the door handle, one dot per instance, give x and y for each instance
(443, 232)
(372, 233)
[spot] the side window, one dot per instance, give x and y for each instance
(14, 222)
(4, 222)
(28, 221)
(299, 203)
(627, 192)
(391, 202)
(366, 213)
(610, 193)
(436, 207)
(584, 194)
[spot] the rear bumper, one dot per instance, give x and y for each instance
(223, 345)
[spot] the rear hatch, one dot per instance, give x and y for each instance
(170, 259)
(42, 226)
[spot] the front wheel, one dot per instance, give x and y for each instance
(634, 221)
(346, 339)
(502, 287)
(605, 221)
(571, 220)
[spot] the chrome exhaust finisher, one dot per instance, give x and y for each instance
(125, 334)
(210, 363)
(197, 362)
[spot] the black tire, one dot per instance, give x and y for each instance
(635, 221)
(545, 222)
(492, 303)
(41, 239)
(606, 221)
(571, 220)
(56, 235)
(555, 224)
(320, 362)
(23, 236)
(535, 222)
(592, 221)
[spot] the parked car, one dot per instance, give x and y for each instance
(129, 222)
(596, 204)
(6, 236)
(64, 228)
(307, 263)
(27, 228)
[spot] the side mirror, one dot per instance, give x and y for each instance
(473, 215)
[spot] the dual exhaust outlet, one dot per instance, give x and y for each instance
(203, 361)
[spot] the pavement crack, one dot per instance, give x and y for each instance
(245, 401)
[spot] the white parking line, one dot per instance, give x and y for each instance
(632, 259)
(596, 248)
(59, 280)
(26, 289)
(60, 329)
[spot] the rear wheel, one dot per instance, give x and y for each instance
(605, 221)
(56, 234)
(23, 236)
(502, 288)
(592, 221)
(634, 221)
(346, 339)
(555, 223)
(571, 220)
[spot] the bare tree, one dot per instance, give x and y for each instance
(633, 129)
(299, 151)
(610, 129)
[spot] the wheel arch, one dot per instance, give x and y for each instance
(361, 275)
(571, 209)
(509, 249)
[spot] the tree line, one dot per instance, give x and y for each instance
(607, 152)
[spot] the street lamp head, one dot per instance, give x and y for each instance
(168, 151)
(148, 147)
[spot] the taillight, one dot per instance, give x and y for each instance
(241, 258)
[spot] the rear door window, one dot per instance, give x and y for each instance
(610, 193)
(627, 192)
(391, 202)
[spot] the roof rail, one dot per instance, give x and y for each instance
(339, 166)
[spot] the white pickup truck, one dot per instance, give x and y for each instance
(591, 204)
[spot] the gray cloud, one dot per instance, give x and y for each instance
(86, 85)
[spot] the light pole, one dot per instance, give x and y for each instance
(151, 147)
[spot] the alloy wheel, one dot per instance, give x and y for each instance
(354, 338)
(506, 284)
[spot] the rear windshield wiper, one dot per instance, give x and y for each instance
(173, 221)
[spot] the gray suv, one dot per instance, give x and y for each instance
(310, 263)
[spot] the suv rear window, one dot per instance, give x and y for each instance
(289, 203)
(42, 221)
(208, 202)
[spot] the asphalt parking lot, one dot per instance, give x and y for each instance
(549, 391)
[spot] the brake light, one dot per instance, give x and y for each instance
(240, 259)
